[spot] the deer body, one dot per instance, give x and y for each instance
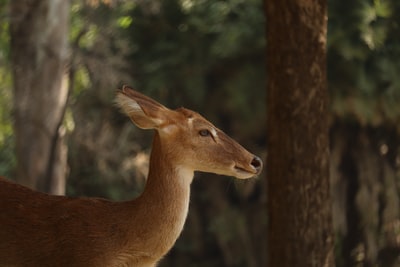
(38, 229)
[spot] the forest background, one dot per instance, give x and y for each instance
(209, 56)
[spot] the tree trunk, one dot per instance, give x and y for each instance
(300, 227)
(39, 35)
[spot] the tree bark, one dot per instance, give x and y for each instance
(39, 35)
(300, 226)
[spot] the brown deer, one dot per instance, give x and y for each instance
(38, 229)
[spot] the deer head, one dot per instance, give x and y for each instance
(192, 142)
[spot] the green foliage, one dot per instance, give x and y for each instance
(7, 157)
(4, 36)
(124, 22)
(363, 53)
(206, 54)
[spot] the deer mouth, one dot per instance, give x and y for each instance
(243, 173)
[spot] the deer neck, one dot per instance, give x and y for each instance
(163, 205)
(165, 176)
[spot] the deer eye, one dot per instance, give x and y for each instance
(204, 133)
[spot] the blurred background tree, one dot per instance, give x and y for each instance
(209, 56)
(38, 54)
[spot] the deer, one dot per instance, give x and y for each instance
(39, 229)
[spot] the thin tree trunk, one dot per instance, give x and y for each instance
(300, 227)
(39, 32)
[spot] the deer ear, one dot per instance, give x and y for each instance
(142, 110)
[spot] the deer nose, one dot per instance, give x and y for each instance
(257, 164)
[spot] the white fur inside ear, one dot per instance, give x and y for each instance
(128, 105)
(134, 111)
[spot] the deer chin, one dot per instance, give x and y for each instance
(233, 171)
(242, 173)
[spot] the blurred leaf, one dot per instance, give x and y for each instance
(124, 22)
